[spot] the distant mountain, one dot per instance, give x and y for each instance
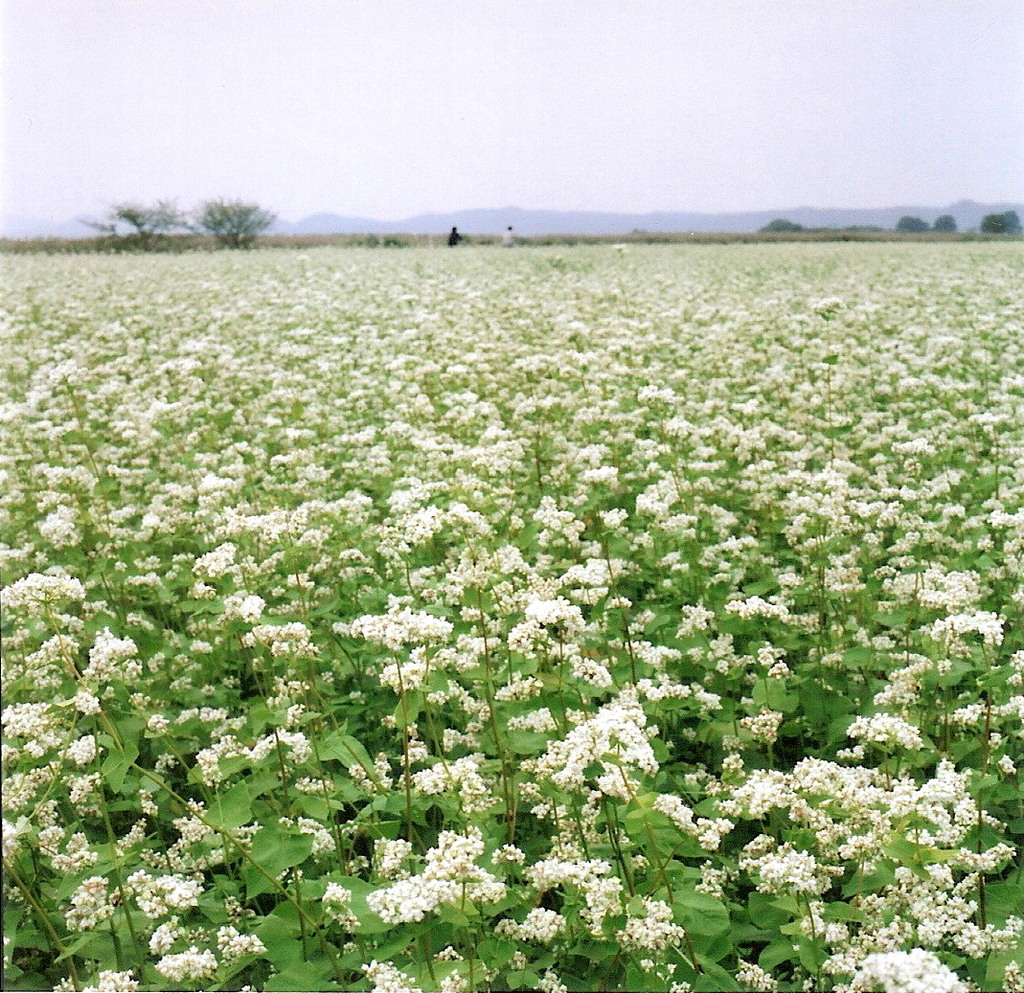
(49, 227)
(331, 224)
(967, 213)
(968, 216)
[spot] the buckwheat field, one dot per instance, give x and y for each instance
(638, 618)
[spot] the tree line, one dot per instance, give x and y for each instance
(1005, 223)
(233, 223)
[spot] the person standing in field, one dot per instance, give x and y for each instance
(454, 238)
(508, 239)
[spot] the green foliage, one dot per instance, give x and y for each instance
(911, 225)
(614, 619)
(143, 227)
(1005, 223)
(781, 226)
(234, 223)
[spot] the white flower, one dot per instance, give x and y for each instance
(885, 729)
(59, 527)
(39, 590)
(232, 944)
(540, 925)
(916, 971)
(112, 658)
(190, 965)
(654, 931)
(110, 981)
(387, 979)
(83, 750)
(451, 875)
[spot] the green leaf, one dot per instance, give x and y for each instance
(233, 809)
(451, 914)
(701, 913)
(763, 911)
(527, 742)
(302, 975)
(843, 912)
(892, 618)
(274, 851)
(346, 749)
(857, 655)
(95, 945)
(408, 709)
(1003, 900)
(116, 765)
(901, 850)
(772, 694)
(812, 956)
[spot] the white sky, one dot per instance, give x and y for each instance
(387, 108)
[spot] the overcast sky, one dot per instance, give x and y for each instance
(387, 108)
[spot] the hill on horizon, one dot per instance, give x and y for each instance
(492, 221)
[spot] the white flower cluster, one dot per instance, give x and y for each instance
(461, 777)
(245, 606)
(654, 932)
(387, 979)
(753, 977)
(112, 981)
(540, 924)
(916, 971)
(337, 900)
(213, 565)
(449, 877)
(764, 726)
(232, 944)
(409, 674)
(60, 527)
(112, 658)
(951, 629)
(399, 626)
(538, 721)
(756, 606)
(292, 639)
(602, 891)
(618, 728)
(784, 869)
(39, 590)
(390, 857)
(708, 831)
(161, 894)
(519, 687)
(83, 750)
(188, 966)
(887, 730)
(90, 905)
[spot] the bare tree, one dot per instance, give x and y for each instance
(145, 224)
(234, 223)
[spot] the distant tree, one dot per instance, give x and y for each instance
(781, 226)
(1007, 223)
(946, 223)
(234, 223)
(146, 225)
(911, 225)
